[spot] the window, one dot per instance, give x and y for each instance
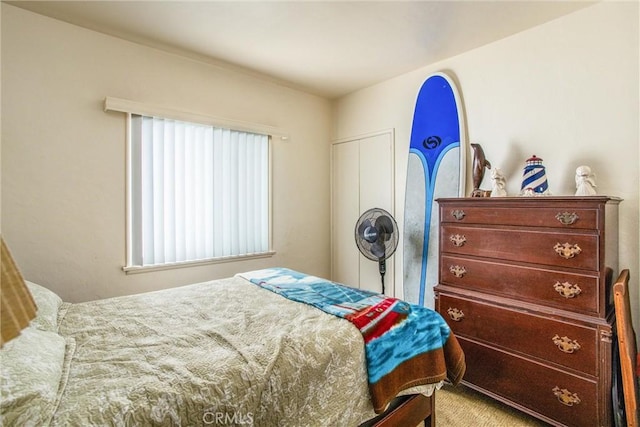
(196, 193)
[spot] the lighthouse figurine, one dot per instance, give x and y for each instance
(534, 178)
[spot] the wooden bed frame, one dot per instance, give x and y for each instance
(409, 410)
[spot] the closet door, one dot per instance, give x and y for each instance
(345, 213)
(362, 178)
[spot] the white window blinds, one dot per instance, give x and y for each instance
(197, 192)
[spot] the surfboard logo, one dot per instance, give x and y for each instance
(432, 142)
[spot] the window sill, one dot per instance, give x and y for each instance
(135, 269)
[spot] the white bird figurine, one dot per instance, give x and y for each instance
(585, 181)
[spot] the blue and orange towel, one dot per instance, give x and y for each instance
(405, 344)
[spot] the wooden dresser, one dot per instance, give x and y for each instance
(525, 285)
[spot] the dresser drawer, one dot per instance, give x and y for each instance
(573, 250)
(567, 291)
(564, 344)
(567, 399)
(563, 217)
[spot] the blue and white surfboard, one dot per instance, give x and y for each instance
(436, 168)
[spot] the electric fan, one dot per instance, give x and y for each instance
(377, 237)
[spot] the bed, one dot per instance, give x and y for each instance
(224, 352)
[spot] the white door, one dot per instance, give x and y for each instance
(345, 212)
(362, 178)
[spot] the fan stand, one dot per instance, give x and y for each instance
(382, 267)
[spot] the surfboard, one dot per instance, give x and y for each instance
(436, 168)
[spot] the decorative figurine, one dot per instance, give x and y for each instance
(499, 183)
(585, 181)
(479, 164)
(534, 178)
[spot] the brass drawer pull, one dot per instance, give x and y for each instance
(567, 218)
(458, 214)
(567, 250)
(455, 314)
(567, 290)
(457, 240)
(566, 344)
(565, 396)
(457, 270)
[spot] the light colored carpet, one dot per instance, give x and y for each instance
(463, 407)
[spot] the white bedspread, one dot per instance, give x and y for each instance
(218, 353)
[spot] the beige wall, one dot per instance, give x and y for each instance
(566, 91)
(63, 176)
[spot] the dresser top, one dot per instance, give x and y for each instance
(535, 200)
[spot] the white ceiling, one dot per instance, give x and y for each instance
(329, 48)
